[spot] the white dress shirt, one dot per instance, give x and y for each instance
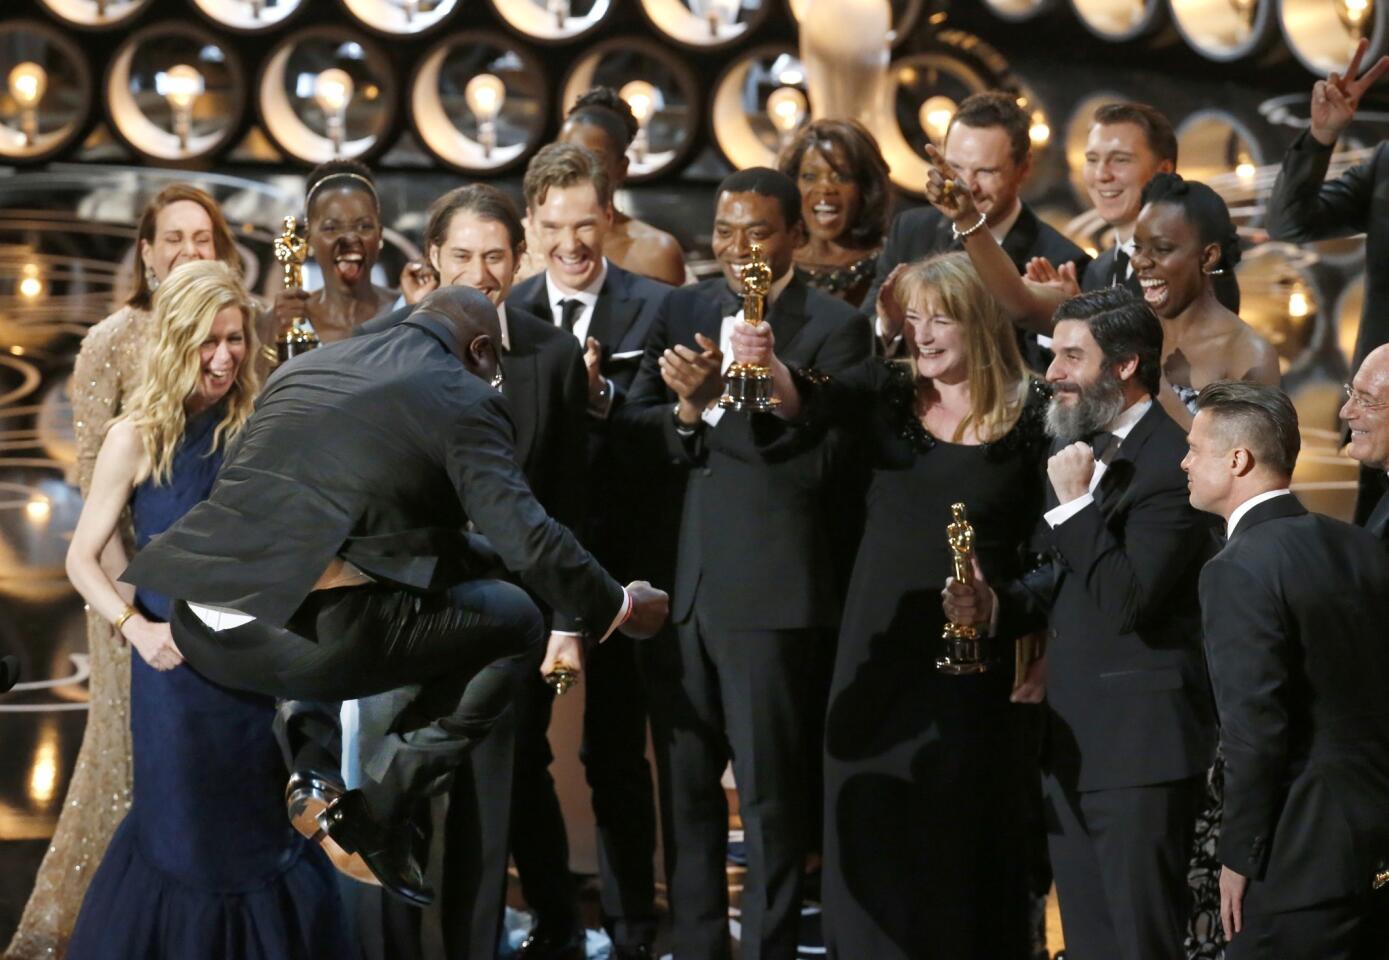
(712, 415)
(1248, 505)
(587, 296)
(1120, 427)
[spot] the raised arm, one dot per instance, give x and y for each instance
(1029, 305)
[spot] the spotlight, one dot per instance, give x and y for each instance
(1323, 34)
(95, 13)
(401, 17)
(550, 21)
(1355, 14)
(332, 91)
(30, 283)
(645, 101)
(37, 509)
(935, 116)
(181, 85)
(1039, 132)
(1226, 31)
(787, 108)
(485, 95)
(28, 82)
(249, 16)
(718, 14)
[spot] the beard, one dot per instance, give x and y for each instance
(1097, 404)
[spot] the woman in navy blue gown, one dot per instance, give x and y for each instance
(206, 864)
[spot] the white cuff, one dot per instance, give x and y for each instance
(622, 614)
(1059, 515)
(712, 415)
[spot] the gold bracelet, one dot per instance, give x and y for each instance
(126, 614)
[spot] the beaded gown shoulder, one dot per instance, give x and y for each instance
(109, 366)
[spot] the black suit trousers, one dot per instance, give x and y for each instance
(1347, 929)
(1120, 861)
(466, 649)
(745, 695)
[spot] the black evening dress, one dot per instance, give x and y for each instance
(926, 839)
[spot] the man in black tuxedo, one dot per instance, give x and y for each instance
(474, 238)
(1305, 206)
(1129, 725)
(610, 312)
(754, 581)
(1366, 415)
(989, 145)
(1294, 610)
(330, 560)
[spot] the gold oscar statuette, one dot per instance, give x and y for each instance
(748, 386)
(561, 678)
(292, 250)
(961, 639)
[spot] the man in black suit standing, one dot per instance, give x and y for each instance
(610, 312)
(989, 145)
(375, 454)
(1294, 610)
(1305, 206)
(1366, 415)
(754, 581)
(1129, 726)
(474, 238)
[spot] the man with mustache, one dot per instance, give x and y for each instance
(1129, 728)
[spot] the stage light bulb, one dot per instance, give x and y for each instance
(332, 90)
(485, 94)
(935, 116)
(181, 85)
(643, 98)
(559, 9)
(28, 82)
(1039, 133)
(1298, 307)
(787, 108)
(1246, 171)
(30, 284)
(1355, 14)
(717, 13)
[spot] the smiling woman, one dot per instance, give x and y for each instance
(344, 217)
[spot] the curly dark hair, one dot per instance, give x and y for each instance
(859, 159)
(1203, 207)
(603, 108)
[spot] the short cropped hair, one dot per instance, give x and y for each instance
(565, 165)
(1256, 416)
(993, 108)
(1123, 326)
(481, 199)
(1157, 129)
(766, 182)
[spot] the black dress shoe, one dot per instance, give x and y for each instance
(547, 946)
(307, 795)
(386, 849)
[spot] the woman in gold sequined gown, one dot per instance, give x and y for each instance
(180, 224)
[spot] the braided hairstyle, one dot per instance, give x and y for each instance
(603, 108)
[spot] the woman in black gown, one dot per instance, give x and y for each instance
(925, 773)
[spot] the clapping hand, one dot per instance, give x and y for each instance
(693, 377)
(1335, 99)
(1062, 278)
(593, 367)
(418, 280)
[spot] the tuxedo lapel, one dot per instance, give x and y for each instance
(521, 387)
(536, 297)
(788, 314)
(614, 313)
(1378, 524)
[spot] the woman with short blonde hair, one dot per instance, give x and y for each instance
(205, 863)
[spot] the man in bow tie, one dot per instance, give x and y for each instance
(1293, 609)
(1129, 726)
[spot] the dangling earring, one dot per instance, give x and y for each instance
(1217, 272)
(151, 280)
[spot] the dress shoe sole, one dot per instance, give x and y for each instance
(306, 798)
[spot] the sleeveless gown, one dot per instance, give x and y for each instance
(205, 865)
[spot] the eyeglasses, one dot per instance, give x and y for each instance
(1363, 400)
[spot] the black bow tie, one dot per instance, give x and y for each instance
(1102, 442)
